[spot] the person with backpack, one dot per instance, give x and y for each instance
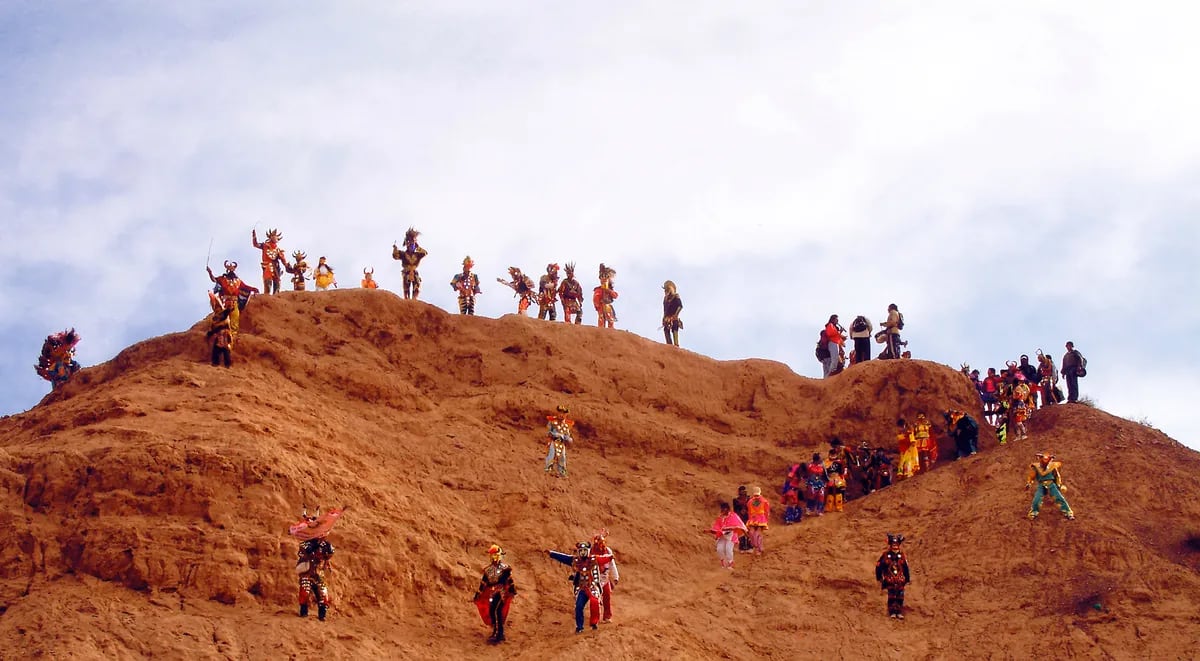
(861, 331)
(1074, 365)
(835, 338)
(893, 325)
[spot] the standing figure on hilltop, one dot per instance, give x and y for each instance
(233, 292)
(835, 342)
(727, 528)
(313, 558)
(219, 333)
(57, 363)
(495, 593)
(368, 281)
(410, 258)
(299, 270)
(1045, 476)
(1048, 380)
(815, 479)
(759, 510)
(893, 326)
(272, 257)
(571, 293)
(926, 445)
(587, 582)
(861, 330)
(522, 286)
(603, 297)
(672, 306)
(466, 284)
(558, 432)
(607, 563)
(548, 294)
(323, 275)
(892, 573)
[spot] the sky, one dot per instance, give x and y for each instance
(1012, 175)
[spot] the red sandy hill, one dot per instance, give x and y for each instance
(145, 504)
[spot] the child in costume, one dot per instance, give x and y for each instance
(466, 284)
(1045, 476)
(495, 594)
(739, 508)
(368, 281)
(410, 258)
(548, 293)
(603, 297)
(323, 275)
(609, 575)
(57, 363)
(522, 286)
(726, 529)
(558, 432)
(892, 573)
(299, 270)
(313, 557)
(815, 479)
(571, 293)
(672, 306)
(757, 523)
(272, 257)
(837, 469)
(587, 582)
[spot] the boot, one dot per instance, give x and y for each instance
(303, 610)
(321, 612)
(839, 500)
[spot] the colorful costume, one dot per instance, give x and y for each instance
(587, 582)
(313, 558)
(57, 363)
(757, 523)
(837, 467)
(879, 470)
(815, 479)
(571, 293)
(1045, 476)
(234, 294)
(1021, 403)
(548, 293)
(672, 306)
(467, 286)
(558, 432)
(368, 281)
(793, 486)
(299, 271)
(272, 258)
(410, 258)
(323, 275)
(522, 286)
(607, 563)
(495, 594)
(726, 529)
(739, 508)
(219, 333)
(892, 573)
(909, 463)
(926, 446)
(603, 297)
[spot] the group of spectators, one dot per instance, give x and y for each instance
(831, 345)
(1022, 387)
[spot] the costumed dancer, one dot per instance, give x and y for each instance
(607, 563)
(757, 523)
(603, 297)
(410, 258)
(323, 275)
(313, 561)
(233, 292)
(909, 463)
(965, 431)
(892, 573)
(57, 363)
(522, 286)
(368, 281)
(739, 508)
(672, 306)
(815, 479)
(571, 293)
(548, 294)
(727, 528)
(1045, 476)
(558, 432)
(880, 469)
(837, 467)
(466, 284)
(926, 446)
(272, 257)
(793, 485)
(495, 593)
(586, 579)
(219, 333)
(1021, 405)
(299, 270)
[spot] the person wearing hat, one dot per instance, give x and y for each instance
(892, 573)
(1045, 476)
(926, 445)
(756, 524)
(495, 593)
(558, 432)
(466, 284)
(589, 587)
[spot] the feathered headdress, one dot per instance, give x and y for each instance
(570, 269)
(607, 272)
(410, 236)
(299, 256)
(274, 235)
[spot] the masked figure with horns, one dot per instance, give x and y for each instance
(410, 258)
(299, 270)
(313, 558)
(232, 292)
(571, 293)
(57, 363)
(587, 581)
(466, 283)
(272, 258)
(892, 573)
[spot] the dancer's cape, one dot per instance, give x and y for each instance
(304, 531)
(485, 598)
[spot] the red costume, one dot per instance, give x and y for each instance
(571, 293)
(495, 594)
(603, 297)
(272, 257)
(233, 293)
(607, 564)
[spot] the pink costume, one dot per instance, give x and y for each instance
(727, 528)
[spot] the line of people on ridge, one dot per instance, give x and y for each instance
(1012, 396)
(831, 343)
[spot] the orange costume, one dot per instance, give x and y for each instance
(603, 297)
(759, 512)
(368, 281)
(909, 462)
(272, 257)
(926, 446)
